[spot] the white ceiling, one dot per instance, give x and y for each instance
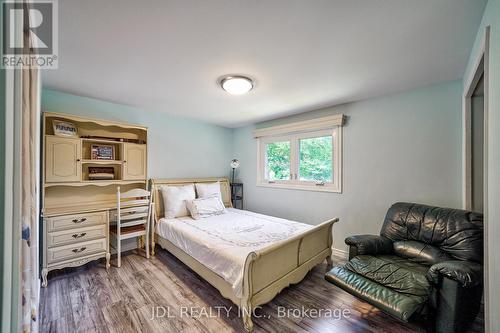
(303, 54)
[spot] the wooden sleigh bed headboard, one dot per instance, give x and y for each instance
(158, 200)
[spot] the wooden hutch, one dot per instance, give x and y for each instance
(75, 206)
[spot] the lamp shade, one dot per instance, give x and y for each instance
(235, 164)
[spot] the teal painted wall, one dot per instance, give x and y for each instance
(491, 18)
(404, 147)
(178, 147)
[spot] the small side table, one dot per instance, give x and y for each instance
(237, 195)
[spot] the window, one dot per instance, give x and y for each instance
(306, 159)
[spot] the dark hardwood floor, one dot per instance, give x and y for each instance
(91, 299)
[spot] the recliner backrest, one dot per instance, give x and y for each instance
(457, 232)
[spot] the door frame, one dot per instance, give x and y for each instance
(481, 68)
(11, 288)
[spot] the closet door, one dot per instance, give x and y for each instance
(62, 163)
(134, 161)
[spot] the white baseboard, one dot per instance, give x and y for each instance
(340, 253)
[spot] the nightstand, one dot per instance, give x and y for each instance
(237, 195)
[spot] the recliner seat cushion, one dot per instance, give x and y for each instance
(420, 252)
(393, 272)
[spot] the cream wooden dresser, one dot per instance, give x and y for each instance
(76, 206)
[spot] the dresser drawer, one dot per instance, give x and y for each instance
(76, 235)
(76, 250)
(75, 221)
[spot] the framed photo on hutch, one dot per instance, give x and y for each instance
(102, 152)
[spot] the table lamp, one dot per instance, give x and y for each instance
(234, 165)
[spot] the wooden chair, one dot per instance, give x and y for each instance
(131, 218)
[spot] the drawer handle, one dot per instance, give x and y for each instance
(80, 220)
(79, 250)
(80, 235)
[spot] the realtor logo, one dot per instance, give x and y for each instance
(32, 23)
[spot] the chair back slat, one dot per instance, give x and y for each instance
(133, 216)
(133, 210)
(132, 223)
(135, 193)
(124, 212)
(133, 203)
(114, 219)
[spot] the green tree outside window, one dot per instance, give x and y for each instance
(278, 160)
(315, 159)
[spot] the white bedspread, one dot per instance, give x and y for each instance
(223, 242)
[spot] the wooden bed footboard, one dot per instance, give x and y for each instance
(272, 269)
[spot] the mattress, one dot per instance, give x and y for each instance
(223, 242)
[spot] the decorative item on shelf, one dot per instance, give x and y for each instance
(102, 152)
(234, 165)
(101, 173)
(64, 128)
(138, 141)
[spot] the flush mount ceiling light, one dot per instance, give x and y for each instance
(236, 84)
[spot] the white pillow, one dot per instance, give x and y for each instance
(205, 207)
(174, 200)
(208, 190)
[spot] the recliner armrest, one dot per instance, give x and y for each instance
(467, 273)
(368, 244)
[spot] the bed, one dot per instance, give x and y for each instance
(248, 257)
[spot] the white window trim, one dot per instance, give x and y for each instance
(331, 125)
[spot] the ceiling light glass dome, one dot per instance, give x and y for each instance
(236, 85)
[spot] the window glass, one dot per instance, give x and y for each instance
(278, 160)
(315, 159)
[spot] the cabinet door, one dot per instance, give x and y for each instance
(134, 161)
(62, 159)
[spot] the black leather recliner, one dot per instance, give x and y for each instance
(426, 262)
